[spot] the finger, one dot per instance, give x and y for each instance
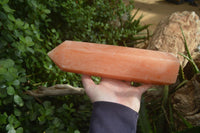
(87, 82)
(110, 81)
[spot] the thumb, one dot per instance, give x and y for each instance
(89, 86)
(87, 82)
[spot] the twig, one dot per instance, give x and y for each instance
(56, 90)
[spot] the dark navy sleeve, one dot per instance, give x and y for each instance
(108, 117)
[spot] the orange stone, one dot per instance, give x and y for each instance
(116, 62)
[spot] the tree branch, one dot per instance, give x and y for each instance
(56, 90)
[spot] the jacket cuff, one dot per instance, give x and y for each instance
(108, 117)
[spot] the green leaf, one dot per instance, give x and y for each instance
(20, 130)
(3, 118)
(10, 26)
(19, 23)
(11, 17)
(17, 112)
(3, 17)
(2, 70)
(42, 119)
(7, 63)
(2, 86)
(7, 9)
(47, 104)
(22, 79)
(21, 48)
(8, 100)
(29, 41)
(76, 131)
(185, 43)
(16, 83)
(30, 50)
(97, 80)
(53, 30)
(191, 130)
(192, 62)
(186, 122)
(10, 128)
(11, 119)
(18, 100)
(143, 119)
(56, 122)
(33, 116)
(3, 93)
(4, 2)
(9, 77)
(47, 11)
(26, 26)
(49, 111)
(10, 90)
(165, 95)
(21, 38)
(13, 71)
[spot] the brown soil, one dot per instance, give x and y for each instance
(155, 10)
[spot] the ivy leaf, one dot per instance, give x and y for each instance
(10, 90)
(4, 2)
(3, 118)
(21, 48)
(7, 9)
(29, 41)
(3, 93)
(12, 73)
(7, 63)
(33, 116)
(10, 26)
(26, 26)
(30, 50)
(18, 100)
(17, 112)
(47, 11)
(11, 119)
(2, 70)
(11, 17)
(19, 22)
(10, 128)
(76, 131)
(9, 77)
(53, 30)
(19, 130)
(56, 122)
(16, 82)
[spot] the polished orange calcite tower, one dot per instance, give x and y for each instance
(116, 62)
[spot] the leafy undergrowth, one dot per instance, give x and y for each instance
(31, 28)
(157, 114)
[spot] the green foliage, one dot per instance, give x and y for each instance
(31, 28)
(144, 125)
(191, 130)
(189, 57)
(160, 115)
